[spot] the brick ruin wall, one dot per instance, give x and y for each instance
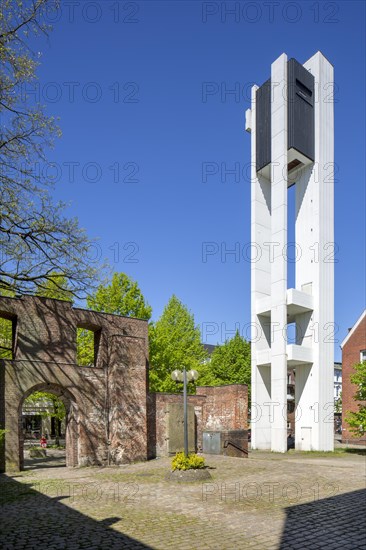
(217, 408)
(106, 402)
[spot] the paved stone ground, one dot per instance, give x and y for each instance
(268, 501)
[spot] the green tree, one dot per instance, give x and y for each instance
(56, 287)
(48, 405)
(36, 238)
(175, 342)
(230, 363)
(6, 338)
(122, 296)
(357, 420)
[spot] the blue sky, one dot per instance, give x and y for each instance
(142, 90)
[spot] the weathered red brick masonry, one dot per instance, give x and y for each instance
(353, 350)
(111, 418)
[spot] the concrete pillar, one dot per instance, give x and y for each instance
(279, 261)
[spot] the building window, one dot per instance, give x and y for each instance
(363, 355)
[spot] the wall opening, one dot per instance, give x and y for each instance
(43, 429)
(7, 336)
(48, 428)
(87, 343)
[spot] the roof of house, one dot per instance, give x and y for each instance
(358, 322)
(209, 348)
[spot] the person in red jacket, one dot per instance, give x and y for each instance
(43, 442)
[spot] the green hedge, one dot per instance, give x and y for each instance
(190, 462)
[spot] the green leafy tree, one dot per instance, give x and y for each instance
(175, 342)
(56, 287)
(230, 363)
(357, 420)
(6, 338)
(48, 405)
(338, 404)
(122, 296)
(36, 238)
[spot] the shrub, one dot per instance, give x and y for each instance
(190, 462)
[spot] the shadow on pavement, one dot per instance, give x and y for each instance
(31, 519)
(332, 523)
(53, 460)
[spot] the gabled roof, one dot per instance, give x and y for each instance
(209, 348)
(358, 322)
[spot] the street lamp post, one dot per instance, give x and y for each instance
(185, 377)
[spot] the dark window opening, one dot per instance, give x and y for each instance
(294, 164)
(304, 89)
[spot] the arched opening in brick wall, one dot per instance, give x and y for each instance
(40, 416)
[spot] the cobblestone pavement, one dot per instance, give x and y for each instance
(268, 501)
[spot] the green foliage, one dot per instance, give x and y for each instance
(6, 331)
(357, 420)
(55, 287)
(190, 462)
(85, 347)
(175, 342)
(121, 297)
(6, 338)
(230, 364)
(36, 238)
(52, 405)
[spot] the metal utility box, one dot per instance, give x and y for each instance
(228, 443)
(211, 443)
(300, 118)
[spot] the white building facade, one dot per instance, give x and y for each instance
(291, 124)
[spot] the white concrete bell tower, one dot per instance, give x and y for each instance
(291, 122)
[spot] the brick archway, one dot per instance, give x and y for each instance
(72, 431)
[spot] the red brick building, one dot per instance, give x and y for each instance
(353, 352)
